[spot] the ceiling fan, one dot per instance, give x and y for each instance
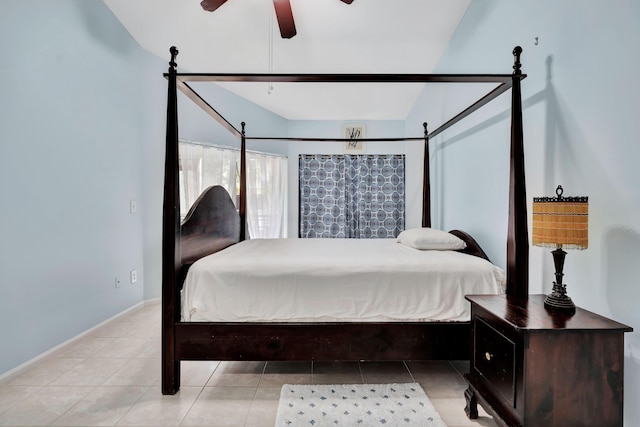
(284, 15)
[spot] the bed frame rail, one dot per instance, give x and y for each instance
(322, 341)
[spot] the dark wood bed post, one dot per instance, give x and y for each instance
(518, 237)
(242, 208)
(426, 182)
(171, 259)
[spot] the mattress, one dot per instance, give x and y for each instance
(334, 280)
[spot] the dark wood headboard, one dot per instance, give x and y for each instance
(211, 225)
(473, 248)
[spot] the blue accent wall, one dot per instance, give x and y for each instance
(581, 101)
(82, 119)
(73, 119)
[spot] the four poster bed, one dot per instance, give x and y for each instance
(210, 243)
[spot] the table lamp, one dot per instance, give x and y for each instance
(560, 222)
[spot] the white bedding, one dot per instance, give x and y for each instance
(306, 280)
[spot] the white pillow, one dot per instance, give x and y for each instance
(430, 238)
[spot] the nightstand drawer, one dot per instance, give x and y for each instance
(494, 359)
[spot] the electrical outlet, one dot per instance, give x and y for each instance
(133, 206)
(117, 282)
(134, 276)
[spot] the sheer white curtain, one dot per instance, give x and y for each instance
(221, 168)
(266, 195)
(190, 172)
(202, 166)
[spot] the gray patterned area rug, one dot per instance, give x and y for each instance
(356, 405)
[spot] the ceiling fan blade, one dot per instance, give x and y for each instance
(284, 15)
(347, 1)
(212, 5)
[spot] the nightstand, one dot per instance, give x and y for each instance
(530, 367)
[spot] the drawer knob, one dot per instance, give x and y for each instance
(488, 356)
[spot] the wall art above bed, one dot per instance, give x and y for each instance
(355, 133)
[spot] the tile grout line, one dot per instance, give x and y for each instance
(94, 388)
(202, 388)
(264, 369)
(186, 413)
(255, 392)
(413, 379)
(75, 404)
(132, 406)
(361, 374)
(17, 402)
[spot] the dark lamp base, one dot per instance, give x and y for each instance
(559, 301)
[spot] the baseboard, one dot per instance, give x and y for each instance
(20, 369)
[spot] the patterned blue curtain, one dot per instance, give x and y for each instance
(351, 196)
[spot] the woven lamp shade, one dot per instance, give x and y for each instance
(561, 221)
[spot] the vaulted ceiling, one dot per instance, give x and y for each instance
(367, 36)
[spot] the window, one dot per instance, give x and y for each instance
(351, 196)
(202, 166)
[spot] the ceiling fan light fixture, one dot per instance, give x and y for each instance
(284, 14)
(212, 5)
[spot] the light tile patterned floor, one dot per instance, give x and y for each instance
(112, 377)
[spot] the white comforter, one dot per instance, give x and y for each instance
(306, 280)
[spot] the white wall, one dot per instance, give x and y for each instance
(75, 115)
(581, 103)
